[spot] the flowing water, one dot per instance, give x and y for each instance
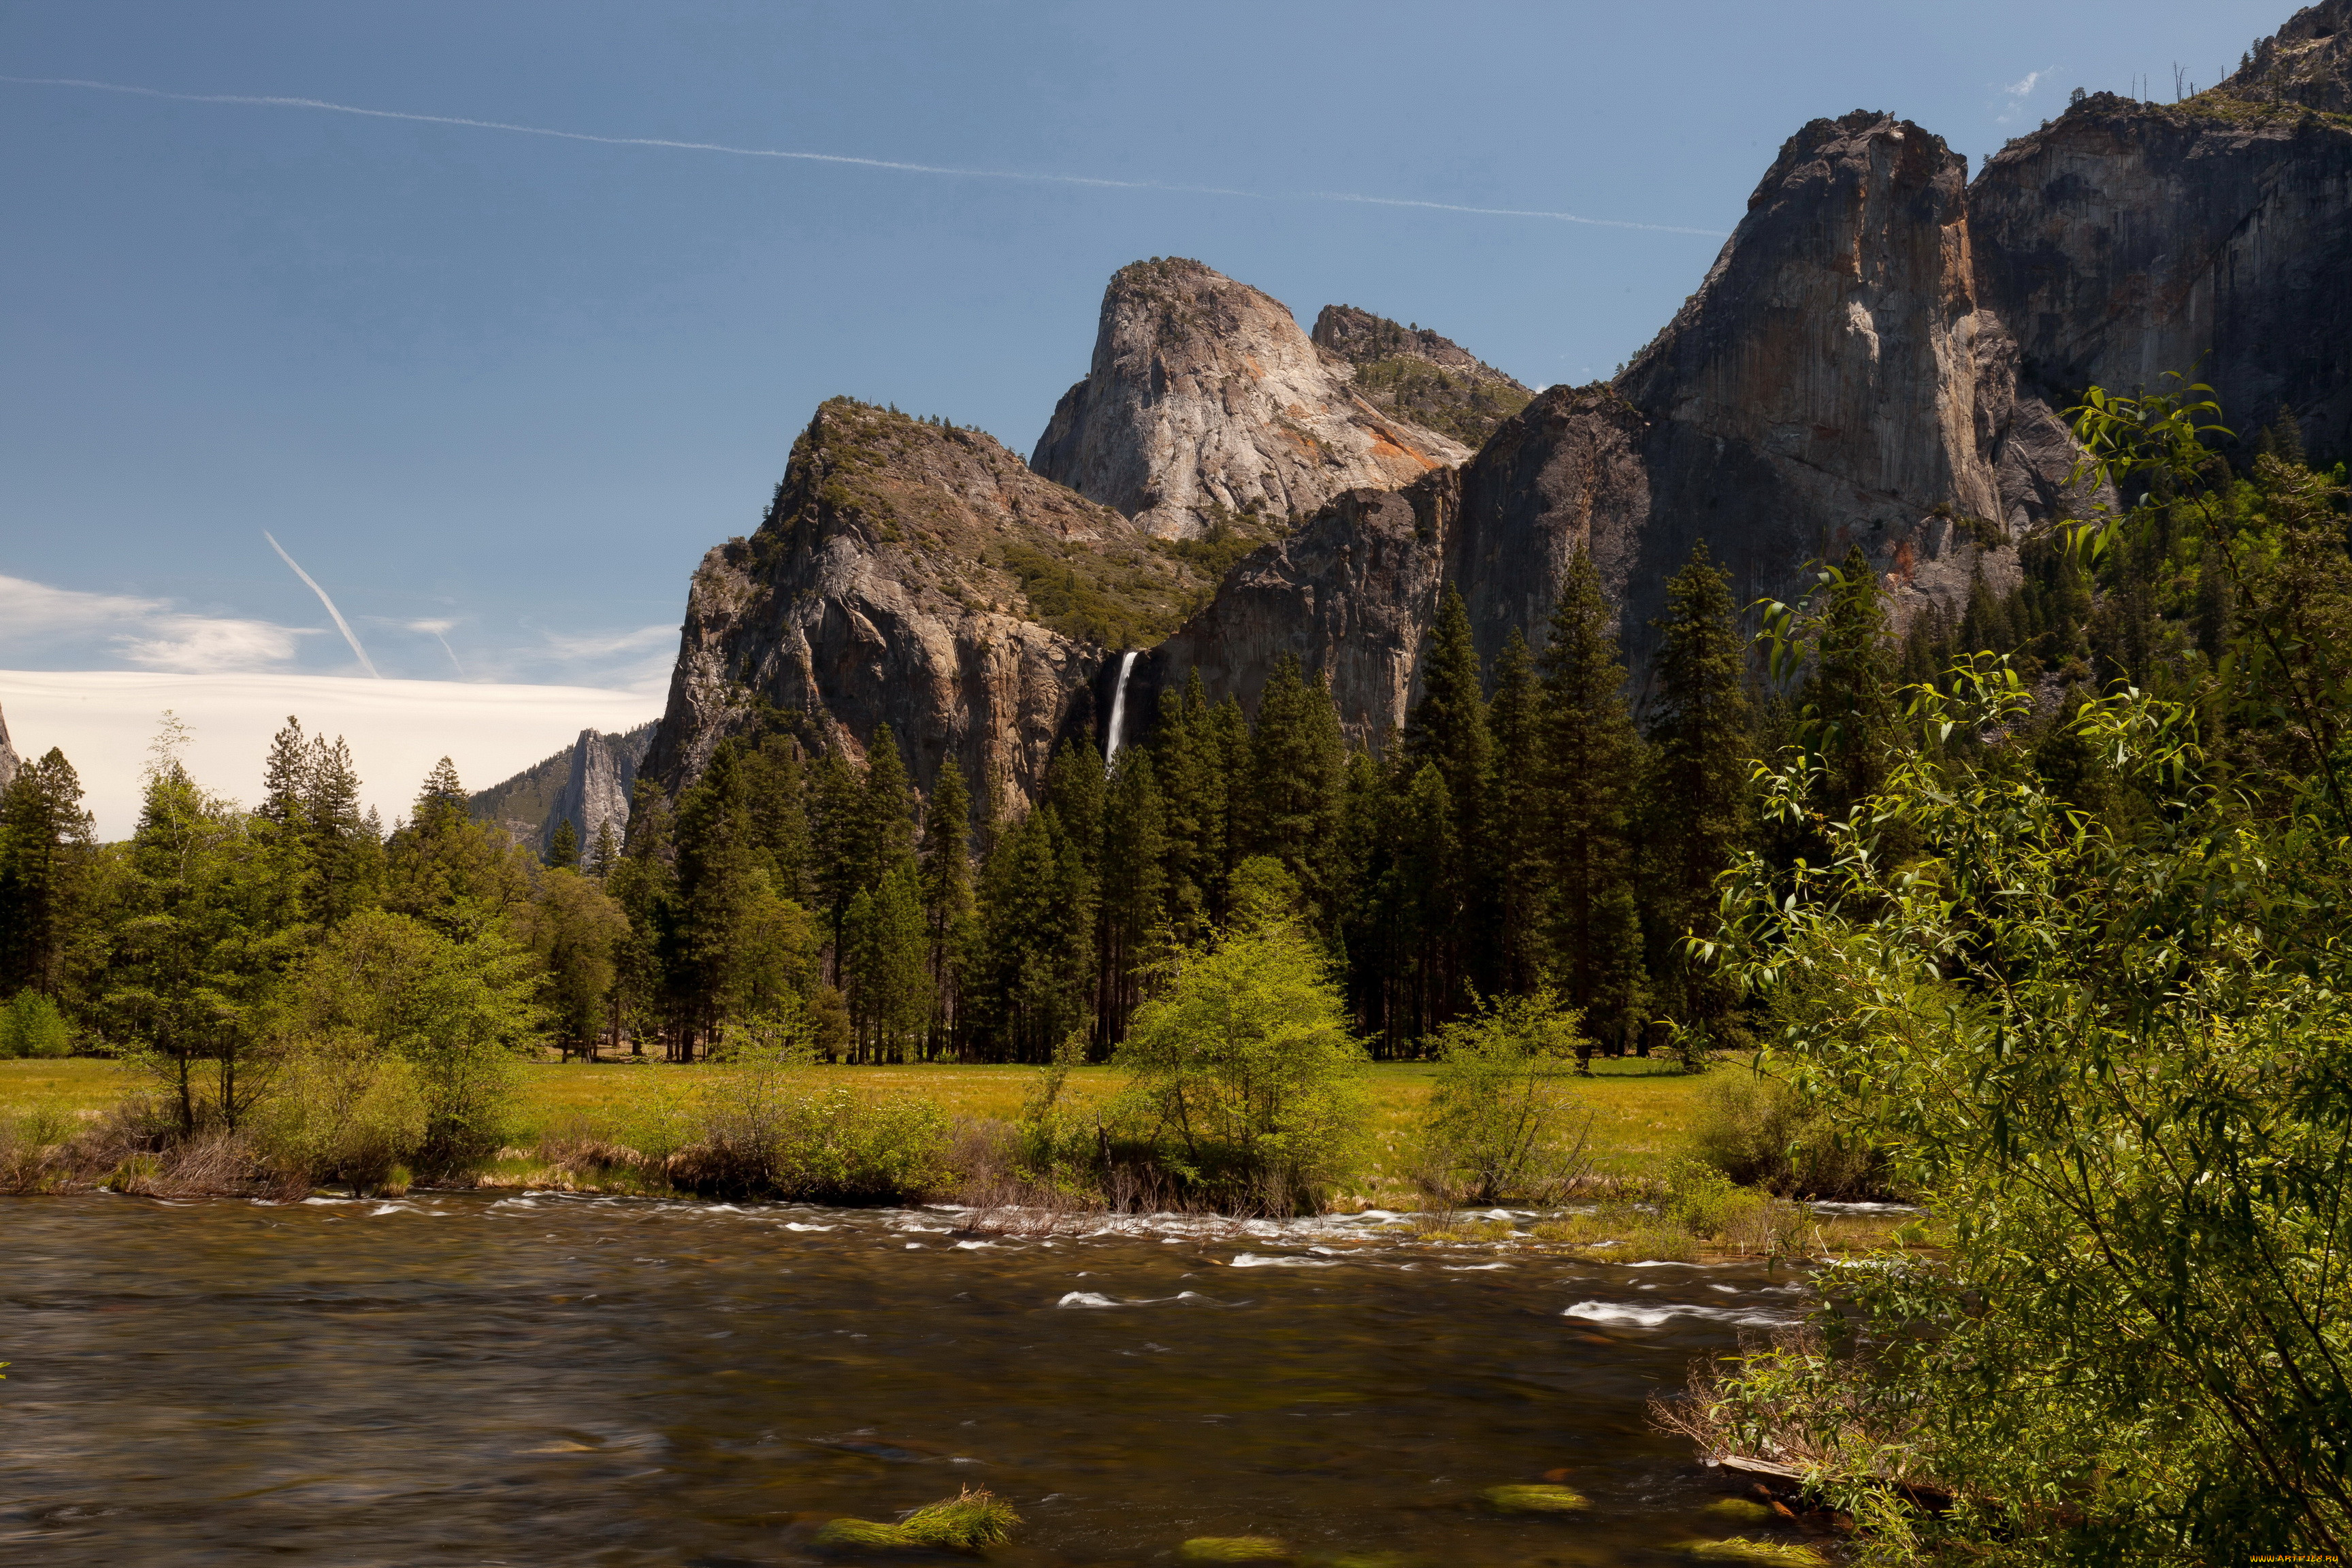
(548, 1379)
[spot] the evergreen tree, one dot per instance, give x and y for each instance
(564, 848)
(719, 886)
(458, 876)
(842, 862)
(606, 853)
(1512, 833)
(1189, 765)
(345, 848)
(645, 884)
(1033, 969)
(1294, 783)
(1848, 708)
(776, 782)
(947, 894)
(890, 989)
(1447, 732)
(47, 872)
(1697, 807)
(1134, 887)
(1590, 770)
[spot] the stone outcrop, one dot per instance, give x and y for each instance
(2210, 237)
(1207, 408)
(919, 575)
(595, 793)
(587, 784)
(1350, 595)
(9, 761)
(1876, 358)
(1410, 373)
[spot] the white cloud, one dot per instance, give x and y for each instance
(639, 659)
(152, 633)
(2012, 102)
(104, 720)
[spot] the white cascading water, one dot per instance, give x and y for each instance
(1118, 709)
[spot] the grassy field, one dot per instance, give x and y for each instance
(1643, 1111)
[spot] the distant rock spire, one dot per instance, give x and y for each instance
(9, 761)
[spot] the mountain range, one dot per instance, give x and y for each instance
(1881, 355)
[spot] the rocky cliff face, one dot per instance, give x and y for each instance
(1349, 595)
(2212, 237)
(595, 793)
(1875, 359)
(922, 577)
(588, 782)
(9, 761)
(1410, 373)
(1208, 407)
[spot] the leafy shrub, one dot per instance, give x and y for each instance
(341, 1112)
(31, 1026)
(1243, 1082)
(764, 1130)
(1756, 1131)
(1503, 1121)
(455, 1012)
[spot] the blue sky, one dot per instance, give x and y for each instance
(497, 392)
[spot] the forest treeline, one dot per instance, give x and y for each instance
(1527, 832)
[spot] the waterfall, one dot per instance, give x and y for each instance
(1117, 710)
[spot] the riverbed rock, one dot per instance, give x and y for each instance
(1207, 408)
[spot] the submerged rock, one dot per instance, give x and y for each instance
(1233, 1549)
(1534, 1500)
(1765, 1554)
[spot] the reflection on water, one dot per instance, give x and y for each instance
(550, 1379)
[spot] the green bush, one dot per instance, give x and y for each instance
(1244, 1082)
(1758, 1132)
(764, 1130)
(31, 1026)
(1503, 1121)
(343, 1113)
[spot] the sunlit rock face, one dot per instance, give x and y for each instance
(9, 761)
(1207, 407)
(916, 575)
(2211, 238)
(1878, 358)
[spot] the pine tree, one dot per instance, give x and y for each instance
(1294, 780)
(564, 848)
(605, 854)
(1134, 885)
(281, 826)
(643, 882)
(1447, 731)
(1699, 734)
(887, 837)
(1189, 767)
(890, 990)
(46, 864)
(1512, 834)
(840, 833)
(458, 876)
(776, 782)
(718, 884)
(1590, 770)
(346, 850)
(1848, 708)
(947, 893)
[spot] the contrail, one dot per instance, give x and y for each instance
(436, 629)
(323, 105)
(341, 625)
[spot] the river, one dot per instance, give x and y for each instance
(550, 1379)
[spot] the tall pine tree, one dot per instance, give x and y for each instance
(1697, 818)
(1588, 776)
